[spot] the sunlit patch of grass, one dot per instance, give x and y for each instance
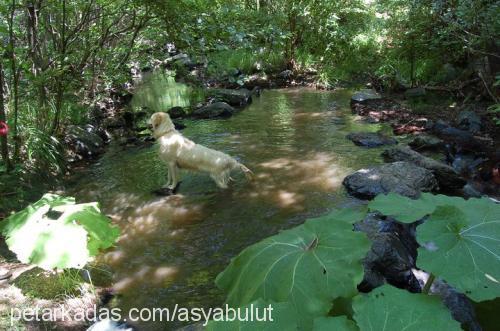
(247, 61)
(160, 92)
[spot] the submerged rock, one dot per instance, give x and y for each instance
(446, 176)
(400, 177)
(217, 109)
(365, 95)
(370, 139)
(333, 106)
(235, 98)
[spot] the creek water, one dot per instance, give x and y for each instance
(172, 248)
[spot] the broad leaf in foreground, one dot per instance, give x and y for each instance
(461, 244)
(391, 309)
(338, 323)
(54, 232)
(402, 208)
(281, 317)
(309, 266)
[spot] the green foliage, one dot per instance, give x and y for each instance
(160, 92)
(460, 244)
(389, 308)
(495, 110)
(223, 63)
(43, 151)
(54, 232)
(312, 265)
(404, 209)
(338, 323)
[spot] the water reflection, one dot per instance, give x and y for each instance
(172, 248)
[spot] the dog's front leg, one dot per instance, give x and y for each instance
(169, 176)
(174, 175)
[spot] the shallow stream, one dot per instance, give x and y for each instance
(172, 248)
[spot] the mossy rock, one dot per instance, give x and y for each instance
(38, 283)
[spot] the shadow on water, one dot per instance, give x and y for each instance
(172, 248)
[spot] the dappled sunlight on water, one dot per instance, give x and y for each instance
(287, 181)
(172, 248)
(155, 276)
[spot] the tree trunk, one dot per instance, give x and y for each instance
(34, 50)
(60, 82)
(4, 148)
(15, 83)
(412, 62)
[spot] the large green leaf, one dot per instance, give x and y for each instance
(309, 266)
(403, 208)
(391, 309)
(339, 323)
(281, 316)
(54, 232)
(461, 244)
(88, 215)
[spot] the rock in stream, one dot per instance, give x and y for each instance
(446, 176)
(370, 139)
(399, 177)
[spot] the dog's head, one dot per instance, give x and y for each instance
(161, 124)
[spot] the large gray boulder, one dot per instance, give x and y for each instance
(364, 96)
(446, 176)
(399, 177)
(370, 139)
(235, 98)
(214, 110)
(83, 142)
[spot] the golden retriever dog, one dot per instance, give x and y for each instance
(178, 152)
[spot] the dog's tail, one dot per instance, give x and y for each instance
(248, 173)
